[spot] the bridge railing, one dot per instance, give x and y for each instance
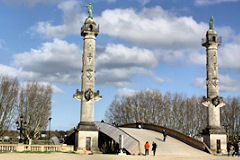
(131, 144)
(175, 134)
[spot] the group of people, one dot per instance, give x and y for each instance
(154, 145)
(147, 147)
(233, 149)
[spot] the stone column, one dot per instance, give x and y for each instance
(213, 134)
(87, 137)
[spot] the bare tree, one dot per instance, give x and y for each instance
(8, 102)
(171, 110)
(35, 107)
(230, 118)
(175, 111)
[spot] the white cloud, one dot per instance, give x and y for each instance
(196, 58)
(149, 27)
(229, 56)
(120, 77)
(170, 56)
(209, 2)
(9, 71)
(61, 62)
(31, 2)
(56, 61)
(118, 55)
(72, 21)
(125, 92)
(178, 37)
(117, 64)
(152, 26)
(226, 83)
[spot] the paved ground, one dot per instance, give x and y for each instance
(68, 156)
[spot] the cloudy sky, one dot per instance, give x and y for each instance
(142, 44)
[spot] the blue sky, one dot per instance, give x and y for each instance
(142, 44)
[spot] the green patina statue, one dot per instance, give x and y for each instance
(89, 10)
(211, 23)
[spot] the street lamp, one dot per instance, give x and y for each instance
(49, 134)
(21, 127)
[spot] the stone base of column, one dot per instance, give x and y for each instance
(87, 126)
(86, 138)
(215, 139)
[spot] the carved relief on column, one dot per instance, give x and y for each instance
(90, 46)
(89, 94)
(89, 74)
(89, 57)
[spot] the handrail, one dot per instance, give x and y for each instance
(121, 130)
(139, 149)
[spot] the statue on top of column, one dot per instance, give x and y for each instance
(211, 23)
(89, 10)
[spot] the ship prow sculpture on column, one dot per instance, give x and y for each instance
(213, 135)
(86, 135)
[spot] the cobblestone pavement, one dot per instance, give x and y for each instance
(70, 156)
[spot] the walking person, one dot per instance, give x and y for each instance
(154, 147)
(232, 150)
(228, 148)
(146, 146)
(236, 147)
(164, 135)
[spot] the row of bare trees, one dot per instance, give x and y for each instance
(175, 111)
(30, 100)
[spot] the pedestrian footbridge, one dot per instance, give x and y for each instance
(135, 138)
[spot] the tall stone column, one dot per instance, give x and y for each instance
(213, 135)
(87, 134)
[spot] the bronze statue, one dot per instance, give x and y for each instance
(211, 23)
(89, 10)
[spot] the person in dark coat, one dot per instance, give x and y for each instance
(236, 148)
(228, 148)
(154, 147)
(164, 135)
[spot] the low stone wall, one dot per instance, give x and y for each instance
(35, 148)
(175, 134)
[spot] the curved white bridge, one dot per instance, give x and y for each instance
(134, 140)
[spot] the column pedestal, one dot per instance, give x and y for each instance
(215, 139)
(86, 138)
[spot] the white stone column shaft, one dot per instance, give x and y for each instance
(88, 78)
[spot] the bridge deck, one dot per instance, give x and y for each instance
(170, 146)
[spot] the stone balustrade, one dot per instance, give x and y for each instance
(35, 148)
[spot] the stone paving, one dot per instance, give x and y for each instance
(70, 156)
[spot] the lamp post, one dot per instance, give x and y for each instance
(49, 134)
(21, 126)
